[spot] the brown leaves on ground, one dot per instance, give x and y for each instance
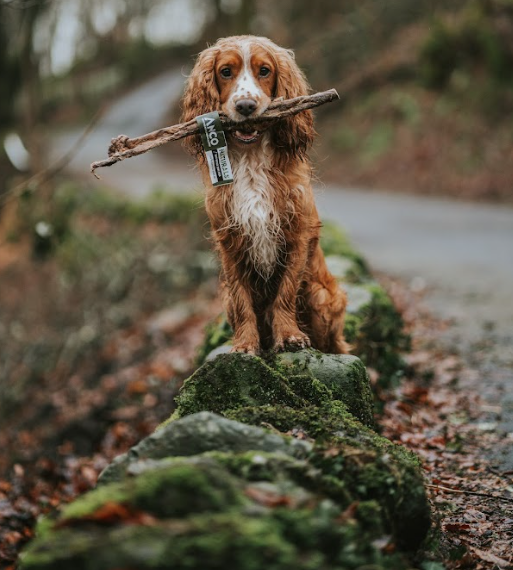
(143, 396)
(451, 431)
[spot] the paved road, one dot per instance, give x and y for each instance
(461, 253)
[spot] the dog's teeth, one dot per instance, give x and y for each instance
(245, 135)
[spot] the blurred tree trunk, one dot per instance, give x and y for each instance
(16, 219)
(8, 87)
(8, 83)
(31, 87)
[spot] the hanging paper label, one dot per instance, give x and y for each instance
(216, 149)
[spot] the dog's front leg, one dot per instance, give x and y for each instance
(241, 316)
(286, 332)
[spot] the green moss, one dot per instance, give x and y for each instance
(256, 465)
(207, 542)
(217, 333)
(230, 381)
(234, 381)
(305, 531)
(180, 487)
(374, 328)
(330, 377)
(348, 452)
(313, 421)
(184, 488)
(90, 503)
(252, 509)
(334, 241)
(370, 516)
(378, 470)
(306, 539)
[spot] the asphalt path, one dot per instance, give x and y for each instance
(459, 254)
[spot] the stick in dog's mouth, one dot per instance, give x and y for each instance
(122, 147)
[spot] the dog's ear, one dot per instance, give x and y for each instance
(201, 96)
(292, 136)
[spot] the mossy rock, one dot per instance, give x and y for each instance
(200, 433)
(374, 328)
(292, 380)
(323, 506)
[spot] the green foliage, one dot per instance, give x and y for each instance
(217, 333)
(472, 41)
(54, 225)
(334, 241)
(405, 107)
(160, 206)
(377, 142)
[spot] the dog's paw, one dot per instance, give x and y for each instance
(246, 348)
(296, 341)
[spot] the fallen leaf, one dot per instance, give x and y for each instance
(268, 498)
(489, 557)
(109, 514)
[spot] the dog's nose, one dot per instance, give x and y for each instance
(246, 107)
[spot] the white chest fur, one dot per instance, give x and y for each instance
(252, 210)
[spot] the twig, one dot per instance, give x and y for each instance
(477, 493)
(50, 171)
(123, 147)
(499, 473)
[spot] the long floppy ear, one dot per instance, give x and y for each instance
(292, 136)
(200, 96)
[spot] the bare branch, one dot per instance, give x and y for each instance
(123, 147)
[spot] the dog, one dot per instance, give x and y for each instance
(277, 290)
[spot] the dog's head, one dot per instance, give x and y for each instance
(240, 76)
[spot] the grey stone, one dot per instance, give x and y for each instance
(199, 433)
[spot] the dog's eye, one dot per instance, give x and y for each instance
(226, 72)
(264, 71)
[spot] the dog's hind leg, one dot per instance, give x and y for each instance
(325, 304)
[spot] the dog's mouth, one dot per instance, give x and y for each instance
(246, 137)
